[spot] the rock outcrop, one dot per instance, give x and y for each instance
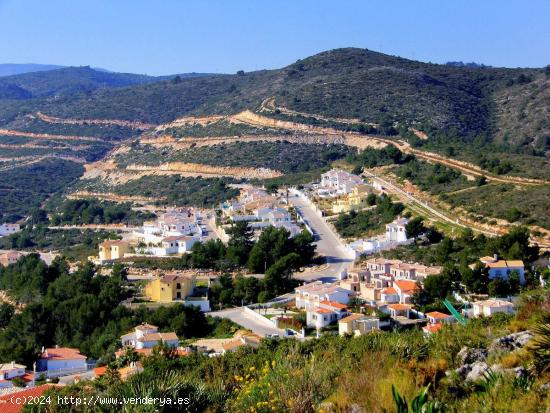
(473, 361)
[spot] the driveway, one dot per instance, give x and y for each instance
(252, 323)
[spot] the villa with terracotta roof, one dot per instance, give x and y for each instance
(405, 289)
(436, 320)
(437, 317)
(399, 310)
(325, 313)
(389, 295)
(60, 361)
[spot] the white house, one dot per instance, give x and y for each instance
(8, 372)
(309, 296)
(503, 268)
(389, 295)
(395, 235)
(436, 317)
(251, 193)
(291, 227)
(60, 361)
(147, 336)
(405, 289)
(178, 244)
(395, 231)
(230, 208)
(170, 224)
(337, 182)
(8, 229)
(399, 310)
(326, 313)
(489, 307)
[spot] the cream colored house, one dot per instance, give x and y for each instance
(113, 250)
(358, 324)
(489, 307)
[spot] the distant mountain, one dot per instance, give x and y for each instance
(8, 69)
(66, 81)
(70, 80)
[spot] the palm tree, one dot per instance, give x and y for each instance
(167, 385)
(540, 347)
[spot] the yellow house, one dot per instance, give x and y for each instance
(171, 287)
(352, 200)
(358, 194)
(112, 250)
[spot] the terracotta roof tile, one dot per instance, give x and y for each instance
(406, 286)
(432, 328)
(399, 307)
(7, 406)
(334, 304)
(62, 353)
(437, 314)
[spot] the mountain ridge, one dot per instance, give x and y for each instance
(457, 106)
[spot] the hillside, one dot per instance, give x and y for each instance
(477, 120)
(464, 102)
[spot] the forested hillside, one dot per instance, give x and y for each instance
(464, 102)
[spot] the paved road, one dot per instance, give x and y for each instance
(433, 211)
(238, 316)
(328, 244)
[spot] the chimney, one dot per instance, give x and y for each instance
(13, 364)
(495, 257)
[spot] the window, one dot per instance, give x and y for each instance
(178, 295)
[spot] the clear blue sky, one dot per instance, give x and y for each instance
(170, 36)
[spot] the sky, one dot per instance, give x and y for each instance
(170, 36)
